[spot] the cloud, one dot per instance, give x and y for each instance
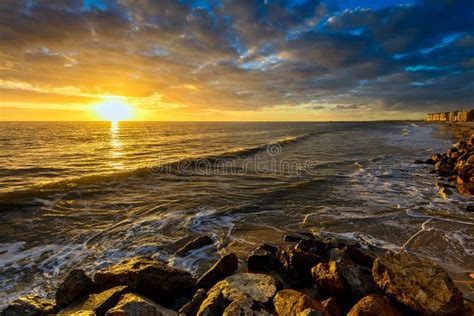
(241, 55)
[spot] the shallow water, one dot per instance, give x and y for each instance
(89, 194)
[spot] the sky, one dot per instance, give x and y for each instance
(235, 60)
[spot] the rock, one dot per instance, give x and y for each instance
(132, 304)
(419, 162)
(293, 237)
(331, 307)
(329, 279)
(291, 302)
(194, 244)
(373, 305)
(361, 256)
(151, 278)
(96, 303)
(239, 287)
(214, 304)
(245, 306)
(417, 283)
(470, 208)
(311, 312)
(314, 246)
(191, 308)
(30, 305)
(444, 169)
(348, 278)
(76, 284)
(220, 270)
(296, 265)
(262, 259)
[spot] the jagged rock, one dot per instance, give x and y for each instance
(219, 271)
(195, 244)
(31, 305)
(191, 308)
(262, 259)
(259, 287)
(329, 279)
(132, 304)
(76, 284)
(296, 265)
(151, 278)
(373, 305)
(417, 283)
(444, 169)
(331, 307)
(291, 302)
(96, 303)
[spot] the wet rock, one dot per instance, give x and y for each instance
(417, 283)
(444, 169)
(194, 244)
(331, 307)
(76, 284)
(191, 308)
(96, 303)
(314, 246)
(133, 304)
(151, 278)
(294, 237)
(373, 305)
(296, 265)
(291, 302)
(329, 279)
(470, 208)
(30, 305)
(219, 271)
(262, 259)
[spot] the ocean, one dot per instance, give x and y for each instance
(88, 194)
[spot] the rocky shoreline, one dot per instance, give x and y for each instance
(312, 275)
(455, 169)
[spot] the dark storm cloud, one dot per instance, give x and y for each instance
(244, 54)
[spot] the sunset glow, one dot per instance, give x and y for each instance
(114, 110)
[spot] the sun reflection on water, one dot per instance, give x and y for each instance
(116, 146)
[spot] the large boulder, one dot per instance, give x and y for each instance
(296, 265)
(76, 284)
(417, 283)
(373, 305)
(242, 287)
(30, 305)
(151, 278)
(96, 303)
(194, 244)
(331, 307)
(219, 271)
(131, 304)
(291, 302)
(245, 306)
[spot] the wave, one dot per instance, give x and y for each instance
(179, 167)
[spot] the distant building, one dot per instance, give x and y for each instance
(466, 115)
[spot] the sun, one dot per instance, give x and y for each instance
(115, 110)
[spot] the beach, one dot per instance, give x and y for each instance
(254, 184)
